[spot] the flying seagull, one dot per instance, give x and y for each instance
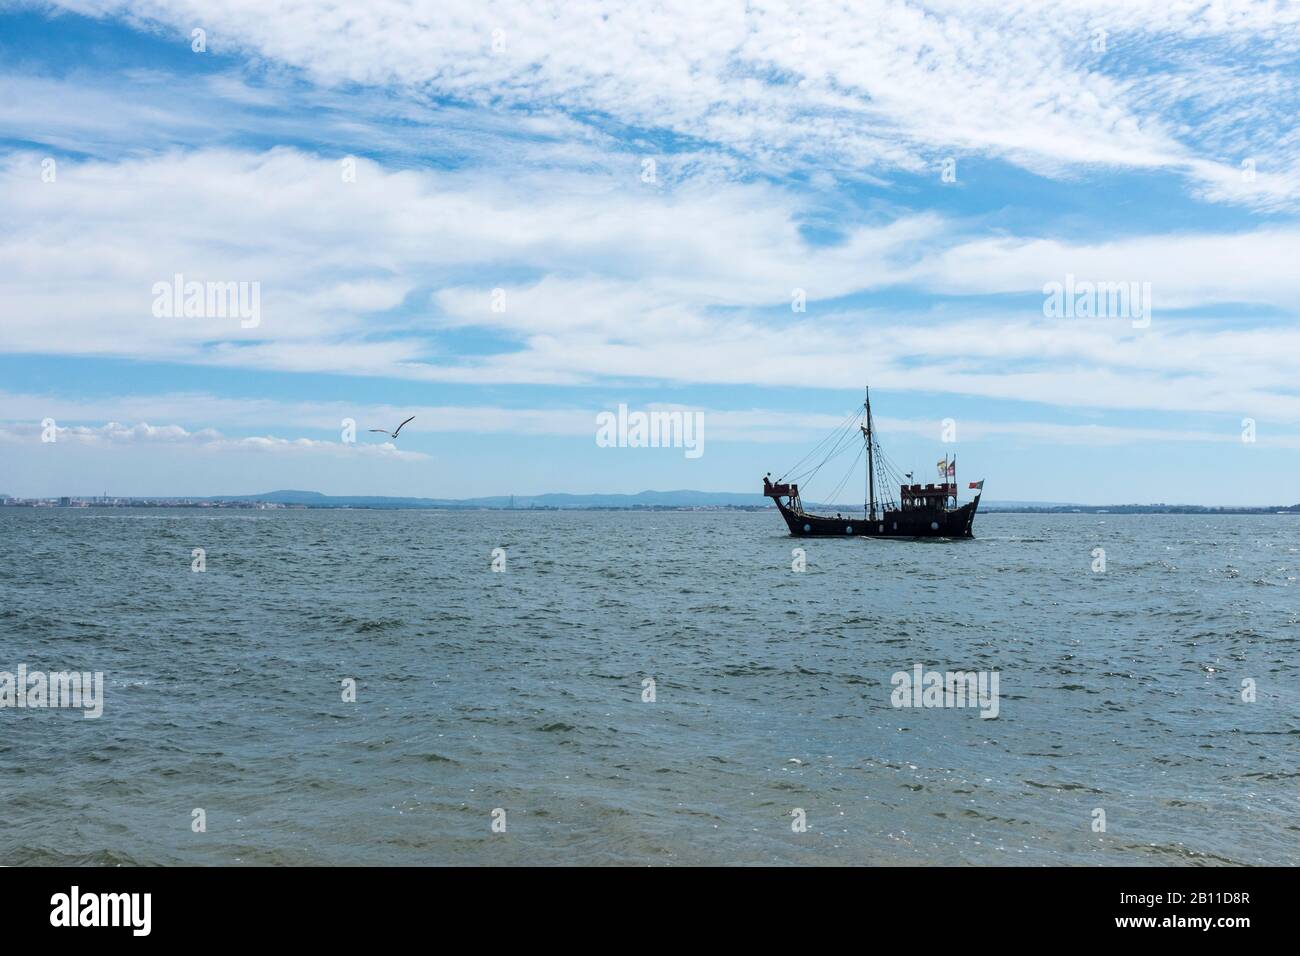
(392, 434)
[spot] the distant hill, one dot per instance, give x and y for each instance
(644, 499)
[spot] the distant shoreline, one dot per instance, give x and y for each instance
(704, 501)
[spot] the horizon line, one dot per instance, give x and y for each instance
(283, 496)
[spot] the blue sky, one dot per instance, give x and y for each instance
(506, 146)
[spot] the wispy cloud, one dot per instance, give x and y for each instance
(18, 412)
(878, 85)
(115, 434)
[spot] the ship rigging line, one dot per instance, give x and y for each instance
(840, 432)
(841, 446)
(847, 475)
(887, 475)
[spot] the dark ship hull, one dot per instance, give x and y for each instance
(919, 511)
(919, 523)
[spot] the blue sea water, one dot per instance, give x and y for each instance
(522, 690)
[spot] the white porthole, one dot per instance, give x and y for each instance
(934, 526)
(807, 527)
(895, 525)
(882, 528)
(849, 529)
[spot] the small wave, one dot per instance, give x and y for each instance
(1063, 786)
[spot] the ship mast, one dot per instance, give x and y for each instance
(871, 470)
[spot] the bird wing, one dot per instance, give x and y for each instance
(400, 427)
(381, 430)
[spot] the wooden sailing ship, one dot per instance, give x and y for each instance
(920, 511)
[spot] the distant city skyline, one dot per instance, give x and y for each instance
(1058, 242)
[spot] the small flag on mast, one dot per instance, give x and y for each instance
(978, 485)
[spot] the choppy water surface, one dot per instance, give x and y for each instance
(522, 690)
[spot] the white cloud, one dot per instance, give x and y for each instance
(606, 279)
(872, 85)
(117, 435)
(22, 410)
(1055, 433)
(19, 412)
(87, 250)
(142, 112)
(1184, 269)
